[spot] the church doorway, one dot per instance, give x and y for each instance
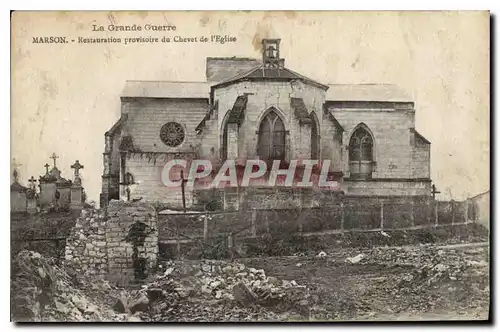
(272, 138)
(361, 154)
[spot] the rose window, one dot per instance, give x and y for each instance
(172, 134)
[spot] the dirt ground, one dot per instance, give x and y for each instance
(446, 281)
(380, 287)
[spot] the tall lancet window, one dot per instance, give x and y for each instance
(314, 136)
(272, 140)
(361, 154)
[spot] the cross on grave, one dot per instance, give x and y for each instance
(434, 191)
(46, 168)
(54, 157)
(183, 182)
(32, 182)
(77, 166)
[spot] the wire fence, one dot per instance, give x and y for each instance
(349, 215)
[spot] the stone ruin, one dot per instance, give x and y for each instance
(119, 244)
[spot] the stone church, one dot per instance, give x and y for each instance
(260, 109)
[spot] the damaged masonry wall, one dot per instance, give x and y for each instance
(120, 244)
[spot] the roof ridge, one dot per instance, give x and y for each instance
(393, 84)
(304, 77)
(240, 75)
(232, 58)
(161, 81)
(261, 66)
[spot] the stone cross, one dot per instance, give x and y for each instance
(54, 157)
(77, 166)
(46, 168)
(434, 191)
(32, 182)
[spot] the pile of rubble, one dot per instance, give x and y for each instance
(43, 291)
(184, 285)
(428, 276)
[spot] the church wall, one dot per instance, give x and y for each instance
(208, 140)
(146, 116)
(420, 165)
(111, 172)
(262, 96)
(331, 145)
(147, 175)
(387, 188)
(392, 148)
(114, 168)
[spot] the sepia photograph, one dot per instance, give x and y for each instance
(250, 166)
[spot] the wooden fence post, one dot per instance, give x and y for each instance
(452, 212)
(412, 215)
(177, 237)
(428, 212)
(205, 227)
(299, 221)
(381, 214)
(466, 211)
(254, 217)
(342, 217)
(436, 221)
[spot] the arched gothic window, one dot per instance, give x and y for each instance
(361, 153)
(272, 140)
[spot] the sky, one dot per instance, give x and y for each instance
(66, 96)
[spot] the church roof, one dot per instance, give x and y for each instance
(118, 125)
(166, 89)
(420, 136)
(260, 73)
(334, 92)
(366, 92)
(16, 186)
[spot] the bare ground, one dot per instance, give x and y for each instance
(377, 288)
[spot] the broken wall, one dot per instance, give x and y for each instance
(119, 243)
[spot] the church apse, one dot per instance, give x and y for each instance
(259, 109)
